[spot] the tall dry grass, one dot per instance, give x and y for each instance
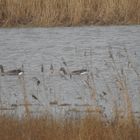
(89, 128)
(68, 12)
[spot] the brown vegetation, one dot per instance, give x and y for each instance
(89, 128)
(68, 12)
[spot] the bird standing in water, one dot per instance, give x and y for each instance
(51, 69)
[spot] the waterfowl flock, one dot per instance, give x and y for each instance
(62, 71)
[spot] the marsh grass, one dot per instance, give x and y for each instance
(88, 128)
(68, 12)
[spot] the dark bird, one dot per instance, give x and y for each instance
(64, 62)
(36, 80)
(51, 68)
(35, 97)
(42, 68)
(11, 72)
(14, 105)
(104, 93)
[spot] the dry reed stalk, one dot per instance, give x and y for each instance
(93, 87)
(44, 80)
(121, 82)
(124, 90)
(68, 12)
(26, 102)
(0, 93)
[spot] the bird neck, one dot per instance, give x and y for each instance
(1, 68)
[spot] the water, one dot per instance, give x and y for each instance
(81, 48)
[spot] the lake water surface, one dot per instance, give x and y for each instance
(105, 52)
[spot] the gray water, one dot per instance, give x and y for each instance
(103, 51)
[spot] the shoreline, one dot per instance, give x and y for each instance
(65, 26)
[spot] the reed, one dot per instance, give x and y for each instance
(25, 98)
(121, 81)
(82, 129)
(68, 12)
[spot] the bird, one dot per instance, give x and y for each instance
(34, 97)
(63, 72)
(79, 72)
(62, 69)
(42, 68)
(36, 80)
(104, 93)
(14, 105)
(64, 62)
(11, 72)
(51, 69)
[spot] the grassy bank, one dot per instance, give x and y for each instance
(68, 12)
(89, 128)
